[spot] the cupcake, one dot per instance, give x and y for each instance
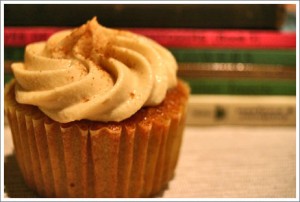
(96, 112)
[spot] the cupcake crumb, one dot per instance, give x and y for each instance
(132, 95)
(86, 99)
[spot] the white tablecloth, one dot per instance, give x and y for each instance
(215, 162)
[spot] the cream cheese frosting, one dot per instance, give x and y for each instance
(94, 73)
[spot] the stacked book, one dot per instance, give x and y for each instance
(241, 70)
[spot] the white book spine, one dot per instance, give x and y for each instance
(242, 110)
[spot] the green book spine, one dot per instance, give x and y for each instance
(8, 77)
(242, 86)
(14, 53)
(280, 57)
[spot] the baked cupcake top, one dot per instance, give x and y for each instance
(94, 73)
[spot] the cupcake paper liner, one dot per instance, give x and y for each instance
(87, 159)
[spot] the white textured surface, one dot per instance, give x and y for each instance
(215, 162)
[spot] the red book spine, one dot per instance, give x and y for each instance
(180, 38)
(21, 36)
(221, 38)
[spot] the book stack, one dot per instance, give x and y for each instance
(241, 67)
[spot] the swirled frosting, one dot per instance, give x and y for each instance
(94, 73)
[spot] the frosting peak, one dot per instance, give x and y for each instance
(94, 73)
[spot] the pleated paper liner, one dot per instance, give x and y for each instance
(133, 158)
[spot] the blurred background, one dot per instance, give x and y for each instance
(230, 54)
(240, 61)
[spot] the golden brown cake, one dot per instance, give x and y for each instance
(124, 153)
